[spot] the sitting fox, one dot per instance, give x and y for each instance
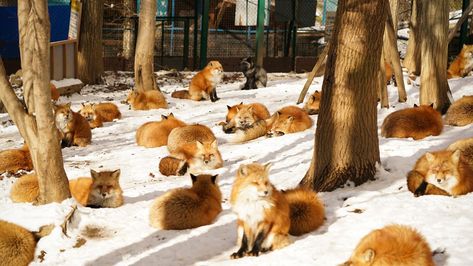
(15, 159)
(463, 63)
(391, 245)
(155, 134)
(460, 113)
(96, 114)
(204, 84)
(146, 100)
(74, 128)
(290, 119)
(186, 208)
(102, 190)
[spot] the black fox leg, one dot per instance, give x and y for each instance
(243, 248)
(420, 191)
(257, 244)
(213, 95)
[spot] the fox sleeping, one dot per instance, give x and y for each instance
(15, 159)
(155, 134)
(96, 114)
(146, 100)
(460, 113)
(290, 119)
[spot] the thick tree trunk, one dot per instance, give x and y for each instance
(346, 139)
(412, 59)
(35, 121)
(144, 55)
(434, 52)
(129, 31)
(90, 56)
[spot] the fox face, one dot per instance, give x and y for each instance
(88, 112)
(246, 64)
(63, 115)
(467, 51)
(281, 125)
(131, 98)
(313, 104)
(207, 156)
(245, 117)
(105, 184)
(256, 183)
(217, 71)
(364, 259)
(443, 172)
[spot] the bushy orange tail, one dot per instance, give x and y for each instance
(182, 94)
(172, 166)
(307, 212)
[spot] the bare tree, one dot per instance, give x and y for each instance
(129, 7)
(144, 54)
(90, 56)
(35, 119)
(412, 59)
(434, 53)
(346, 140)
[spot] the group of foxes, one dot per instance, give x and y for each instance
(266, 215)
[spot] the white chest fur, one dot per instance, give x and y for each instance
(251, 208)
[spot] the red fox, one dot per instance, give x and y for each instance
(74, 128)
(460, 113)
(146, 100)
(258, 110)
(96, 114)
(102, 190)
(197, 145)
(417, 123)
(263, 211)
(307, 212)
(449, 171)
(391, 245)
(172, 166)
(155, 134)
(203, 84)
(17, 245)
(463, 64)
(313, 103)
(15, 159)
(185, 208)
(290, 119)
(466, 148)
(246, 124)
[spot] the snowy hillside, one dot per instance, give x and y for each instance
(122, 236)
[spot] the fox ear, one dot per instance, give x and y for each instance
(432, 105)
(164, 117)
(250, 108)
(214, 179)
(368, 255)
(199, 145)
(214, 144)
(194, 178)
(291, 118)
(456, 156)
(171, 115)
(68, 105)
(211, 63)
(83, 104)
(229, 107)
(267, 167)
(93, 174)
(243, 170)
(415, 106)
(430, 157)
(238, 109)
(312, 97)
(116, 174)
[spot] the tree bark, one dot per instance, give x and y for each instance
(90, 56)
(434, 52)
(129, 31)
(144, 54)
(346, 140)
(35, 121)
(412, 59)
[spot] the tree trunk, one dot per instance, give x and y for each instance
(144, 54)
(412, 59)
(129, 31)
(346, 140)
(90, 56)
(35, 121)
(434, 52)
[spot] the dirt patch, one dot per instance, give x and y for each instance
(95, 232)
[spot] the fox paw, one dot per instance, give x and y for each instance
(237, 255)
(253, 253)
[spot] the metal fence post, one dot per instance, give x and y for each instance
(186, 44)
(204, 34)
(260, 33)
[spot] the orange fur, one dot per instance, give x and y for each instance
(463, 63)
(15, 159)
(259, 110)
(466, 148)
(146, 100)
(172, 166)
(313, 103)
(255, 111)
(290, 119)
(263, 211)
(391, 245)
(74, 128)
(17, 245)
(96, 114)
(185, 208)
(449, 171)
(54, 93)
(155, 134)
(197, 145)
(388, 71)
(417, 123)
(203, 84)
(25, 189)
(460, 113)
(307, 212)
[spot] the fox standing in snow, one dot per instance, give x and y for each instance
(185, 208)
(254, 74)
(74, 128)
(155, 134)
(417, 122)
(204, 84)
(460, 113)
(313, 103)
(263, 212)
(146, 100)
(463, 63)
(96, 114)
(196, 145)
(15, 159)
(290, 119)
(391, 245)
(441, 173)
(259, 112)
(102, 190)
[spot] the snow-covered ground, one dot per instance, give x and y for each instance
(122, 236)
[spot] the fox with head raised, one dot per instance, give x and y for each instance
(74, 128)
